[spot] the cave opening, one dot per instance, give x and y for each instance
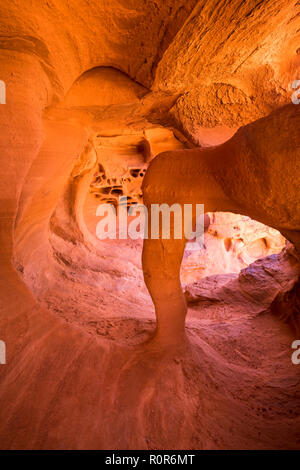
(231, 243)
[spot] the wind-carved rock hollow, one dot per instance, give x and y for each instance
(150, 344)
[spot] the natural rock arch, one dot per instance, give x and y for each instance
(246, 175)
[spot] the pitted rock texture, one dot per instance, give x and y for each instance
(123, 161)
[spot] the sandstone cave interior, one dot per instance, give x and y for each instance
(132, 344)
